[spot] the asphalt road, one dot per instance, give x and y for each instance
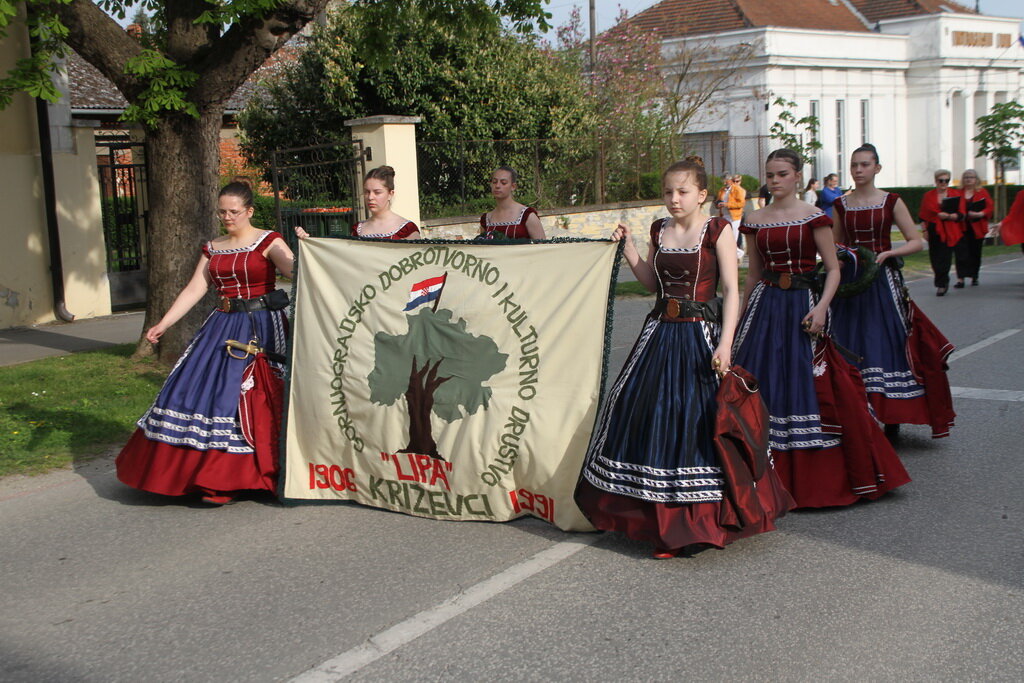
(102, 583)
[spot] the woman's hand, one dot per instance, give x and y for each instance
(721, 359)
(629, 249)
(621, 232)
(814, 321)
(154, 333)
(945, 216)
(300, 232)
(882, 256)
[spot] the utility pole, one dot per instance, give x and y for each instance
(593, 31)
(598, 146)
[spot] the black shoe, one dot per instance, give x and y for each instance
(941, 291)
(959, 284)
(974, 282)
(892, 432)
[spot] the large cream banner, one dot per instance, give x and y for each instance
(454, 380)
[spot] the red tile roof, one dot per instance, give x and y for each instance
(672, 18)
(876, 10)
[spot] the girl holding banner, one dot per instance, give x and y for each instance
(384, 224)
(653, 469)
(510, 219)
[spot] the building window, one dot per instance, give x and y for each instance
(865, 116)
(840, 149)
(816, 113)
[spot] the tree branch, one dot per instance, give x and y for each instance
(244, 47)
(94, 35)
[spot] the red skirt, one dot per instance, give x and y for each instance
(672, 526)
(175, 471)
(822, 477)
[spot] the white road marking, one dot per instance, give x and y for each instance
(987, 394)
(391, 639)
(967, 350)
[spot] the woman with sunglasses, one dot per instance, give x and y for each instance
(941, 228)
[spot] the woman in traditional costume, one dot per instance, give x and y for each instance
(827, 447)
(905, 384)
(666, 464)
(1011, 230)
(942, 228)
(191, 440)
(383, 224)
(976, 210)
(509, 219)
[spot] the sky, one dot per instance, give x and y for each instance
(607, 10)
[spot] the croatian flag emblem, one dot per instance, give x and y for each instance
(425, 291)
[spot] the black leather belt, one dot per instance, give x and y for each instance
(275, 300)
(790, 280)
(674, 309)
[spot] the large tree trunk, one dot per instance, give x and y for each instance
(183, 155)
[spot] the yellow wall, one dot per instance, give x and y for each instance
(25, 294)
(86, 289)
(25, 287)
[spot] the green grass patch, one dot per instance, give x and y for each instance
(58, 410)
(631, 288)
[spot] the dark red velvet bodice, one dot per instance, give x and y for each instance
(515, 230)
(245, 272)
(690, 274)
(401, 233)
(788, 247)
(868, 226)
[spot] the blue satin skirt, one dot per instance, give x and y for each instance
(772, 346)
(654, 437)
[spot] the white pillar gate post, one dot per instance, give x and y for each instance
(391, 141)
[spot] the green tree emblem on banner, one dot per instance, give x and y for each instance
(439, 367)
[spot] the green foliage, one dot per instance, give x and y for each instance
(488, 98)
(912, 196)
(34, 74)
(787, 130)
(166, 89)
(751, 184)
(1001, 133)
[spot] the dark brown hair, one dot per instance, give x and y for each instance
(693, 165)
(511, 171)
(385, 174)
(241, 187)
(789, 155)
(867, 147)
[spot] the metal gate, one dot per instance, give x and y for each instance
(125, 206)
(318, 188)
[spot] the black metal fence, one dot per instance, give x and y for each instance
(318, 188)
(123, 191)
(124, 210)
(562, 173)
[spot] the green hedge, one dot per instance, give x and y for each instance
(912, 195)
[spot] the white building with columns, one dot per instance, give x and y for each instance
(909, 76)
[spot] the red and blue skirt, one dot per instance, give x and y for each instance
(191, 440)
